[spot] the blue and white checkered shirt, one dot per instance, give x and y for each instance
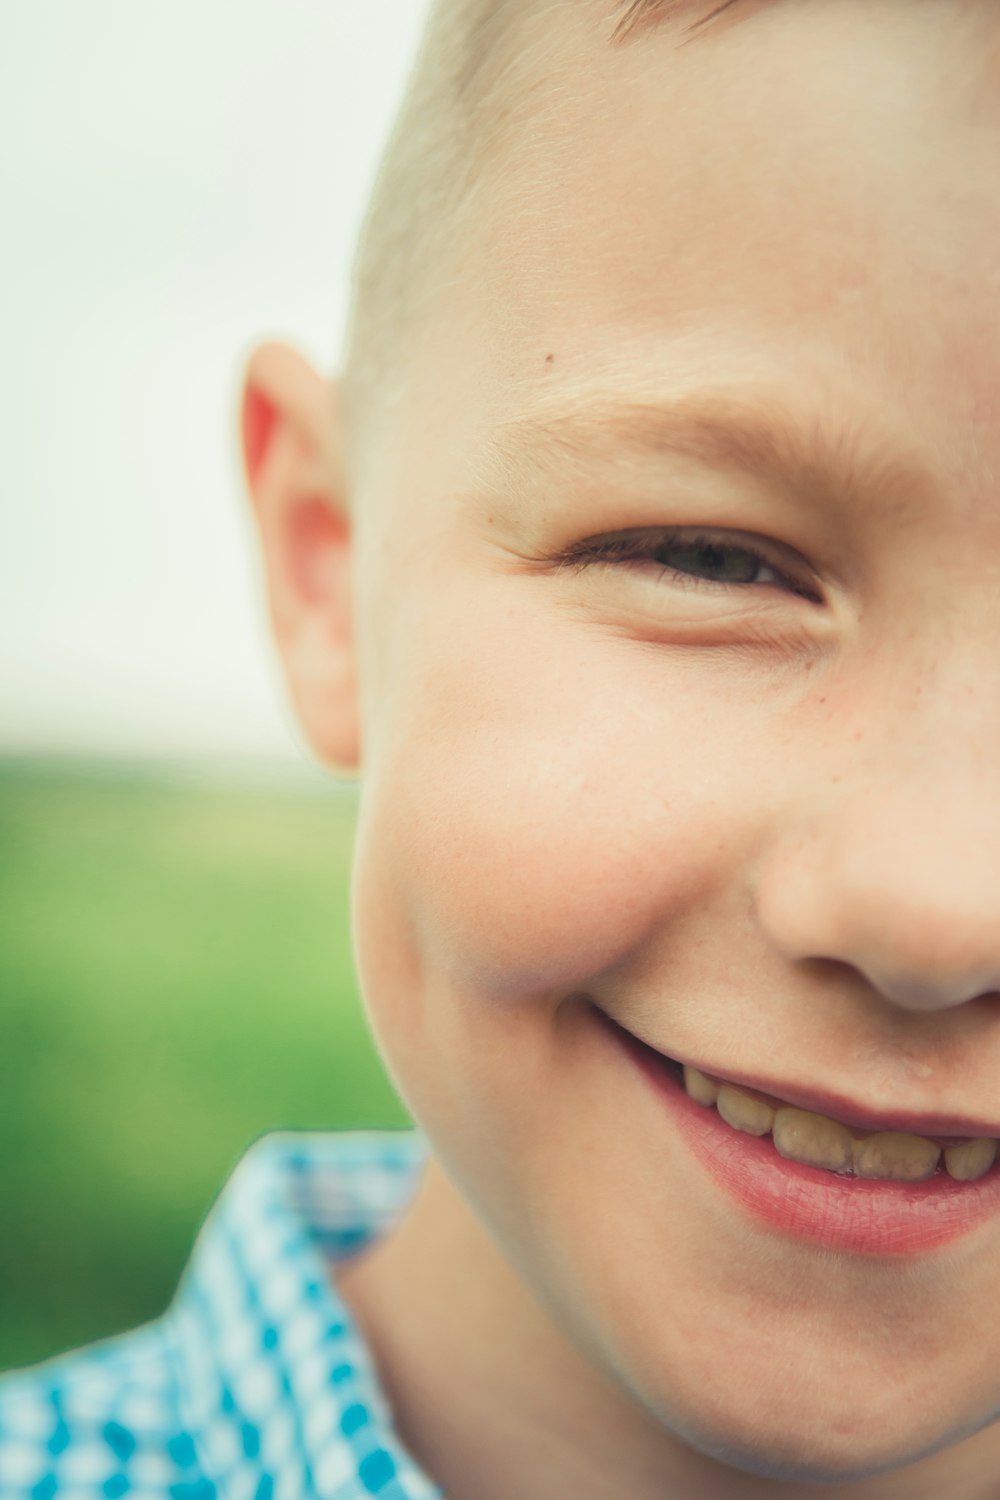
(255, 1384)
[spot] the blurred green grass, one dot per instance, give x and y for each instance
(175, 980)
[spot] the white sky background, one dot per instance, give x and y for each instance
(177, 178)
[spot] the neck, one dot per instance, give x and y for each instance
(495, 1401)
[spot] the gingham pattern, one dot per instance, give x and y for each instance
(255, 1384)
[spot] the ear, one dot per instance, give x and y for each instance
(291, 449)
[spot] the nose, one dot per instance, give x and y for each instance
(895, 872)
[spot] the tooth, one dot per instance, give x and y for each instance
(813, 1140)
(701, 1089)
(739, 1110)
(971, 1160)
(896, 1155)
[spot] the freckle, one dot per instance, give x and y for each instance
(549, 359)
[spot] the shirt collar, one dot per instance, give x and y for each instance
(275, 1378)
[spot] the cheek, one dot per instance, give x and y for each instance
(532, 816)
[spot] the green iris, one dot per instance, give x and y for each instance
(710, 560)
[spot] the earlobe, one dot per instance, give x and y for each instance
(291, 450)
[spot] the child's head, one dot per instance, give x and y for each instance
(652, 555)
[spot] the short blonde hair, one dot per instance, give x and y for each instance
(430, 170)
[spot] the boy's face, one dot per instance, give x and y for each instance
(756, 822)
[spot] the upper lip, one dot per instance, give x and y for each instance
(838, 1106)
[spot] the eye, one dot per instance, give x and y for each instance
(697, 559)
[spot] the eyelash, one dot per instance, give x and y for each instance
(643, 546)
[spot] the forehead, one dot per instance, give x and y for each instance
(815, 187)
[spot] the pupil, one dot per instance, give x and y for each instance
(710, 560)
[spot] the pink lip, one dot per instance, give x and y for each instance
(838, 1213)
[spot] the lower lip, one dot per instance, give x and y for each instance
(838, 1213)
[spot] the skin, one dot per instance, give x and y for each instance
(759, 829)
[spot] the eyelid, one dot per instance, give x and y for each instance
(637, 543)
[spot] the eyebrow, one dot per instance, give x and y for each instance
(816, 451)
(643, 15)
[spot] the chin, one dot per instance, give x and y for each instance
(835, 1446)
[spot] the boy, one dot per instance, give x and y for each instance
(647, 565)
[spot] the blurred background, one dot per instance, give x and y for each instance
(177, 180)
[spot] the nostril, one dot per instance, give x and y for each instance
(929, 992)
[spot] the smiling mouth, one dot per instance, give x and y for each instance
(818, 1140)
